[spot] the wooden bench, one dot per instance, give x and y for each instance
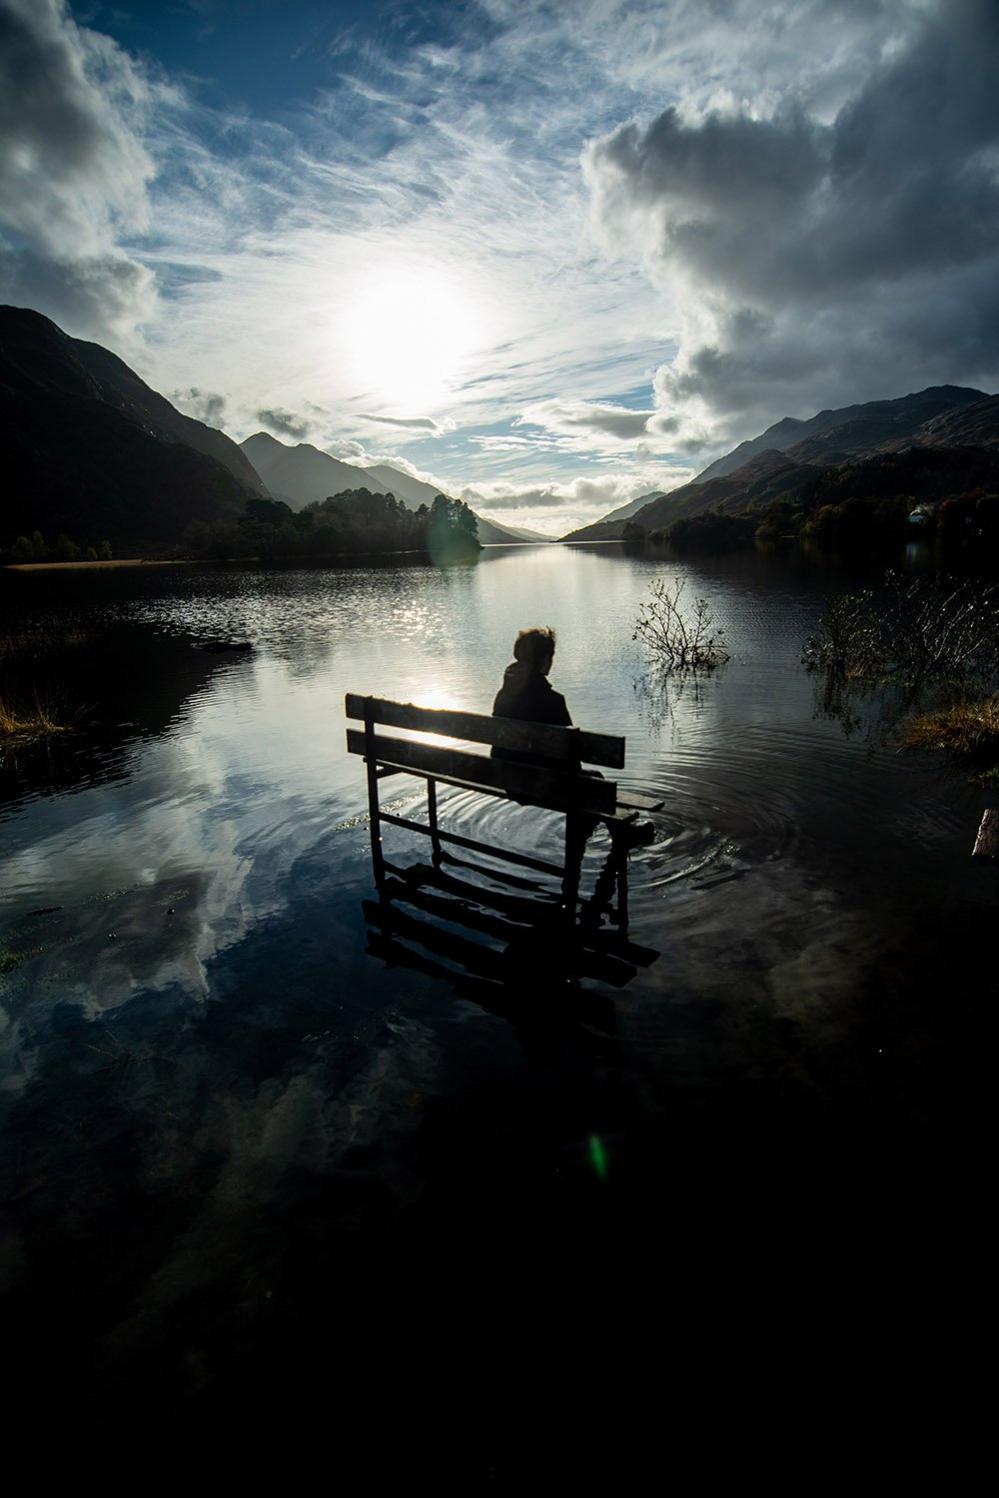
(556, 783)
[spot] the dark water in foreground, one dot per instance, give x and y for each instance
(249, 1165)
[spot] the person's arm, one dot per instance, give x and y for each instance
(562, 717)
(550, 708)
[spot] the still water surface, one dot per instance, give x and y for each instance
(197, 1046)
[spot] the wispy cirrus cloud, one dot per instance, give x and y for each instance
(406, 423)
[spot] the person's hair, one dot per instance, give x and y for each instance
(534, 646)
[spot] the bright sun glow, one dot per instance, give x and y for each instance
(406, 337)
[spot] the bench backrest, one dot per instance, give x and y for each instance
(555, 784)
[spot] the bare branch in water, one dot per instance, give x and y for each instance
(677, 637)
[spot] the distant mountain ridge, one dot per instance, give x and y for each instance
(850, 429)
(303, 474)
(625, 512)
(771, 465)
(91, 451)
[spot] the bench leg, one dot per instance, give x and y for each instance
(432, 819)
(574, 842)
(621, 860)
(375, 822)
(374, 811)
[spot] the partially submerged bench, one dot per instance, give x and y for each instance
(556, 783)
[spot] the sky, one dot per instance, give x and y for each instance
(549, 254)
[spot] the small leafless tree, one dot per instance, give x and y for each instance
(678, 637)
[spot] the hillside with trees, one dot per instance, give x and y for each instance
(355, 523)
(950, 495)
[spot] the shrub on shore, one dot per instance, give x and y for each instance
(927, 629)
(924, 654)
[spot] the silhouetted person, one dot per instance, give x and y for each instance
(527, 694)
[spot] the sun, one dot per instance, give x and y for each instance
(406, 338)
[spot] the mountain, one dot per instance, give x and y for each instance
(90, 450)
(625, 512)
(832, 435)
(412, 491)
(945, 417)
(301, 475)
(520, 532)
(491, 533)
(974, 425)
(768, 475)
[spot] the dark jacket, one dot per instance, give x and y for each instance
(529, 696)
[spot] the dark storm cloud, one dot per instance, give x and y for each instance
(72, 172)
(90, 296)
(204, 405)
(285, 422)
(860, 254)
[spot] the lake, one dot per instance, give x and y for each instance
(233, 1133)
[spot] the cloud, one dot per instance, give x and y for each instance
(285, 422)
(589, 418)
(203, 405)
(349, 451)
(821, 259)
(416, 423)
(769, 218)
(502, 498)
(559, 507)
(73, 171)
(271, 235)
(504, 442)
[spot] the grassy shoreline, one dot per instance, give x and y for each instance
(34, 704)
(969, 731)
(103, 566)
(291, 559)
(19, 725)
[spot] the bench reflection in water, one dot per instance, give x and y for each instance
(501, 941)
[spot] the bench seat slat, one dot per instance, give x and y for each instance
(541, 739)
(638, 801)
(534, 785)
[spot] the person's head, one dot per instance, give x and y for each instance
(535, 648)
